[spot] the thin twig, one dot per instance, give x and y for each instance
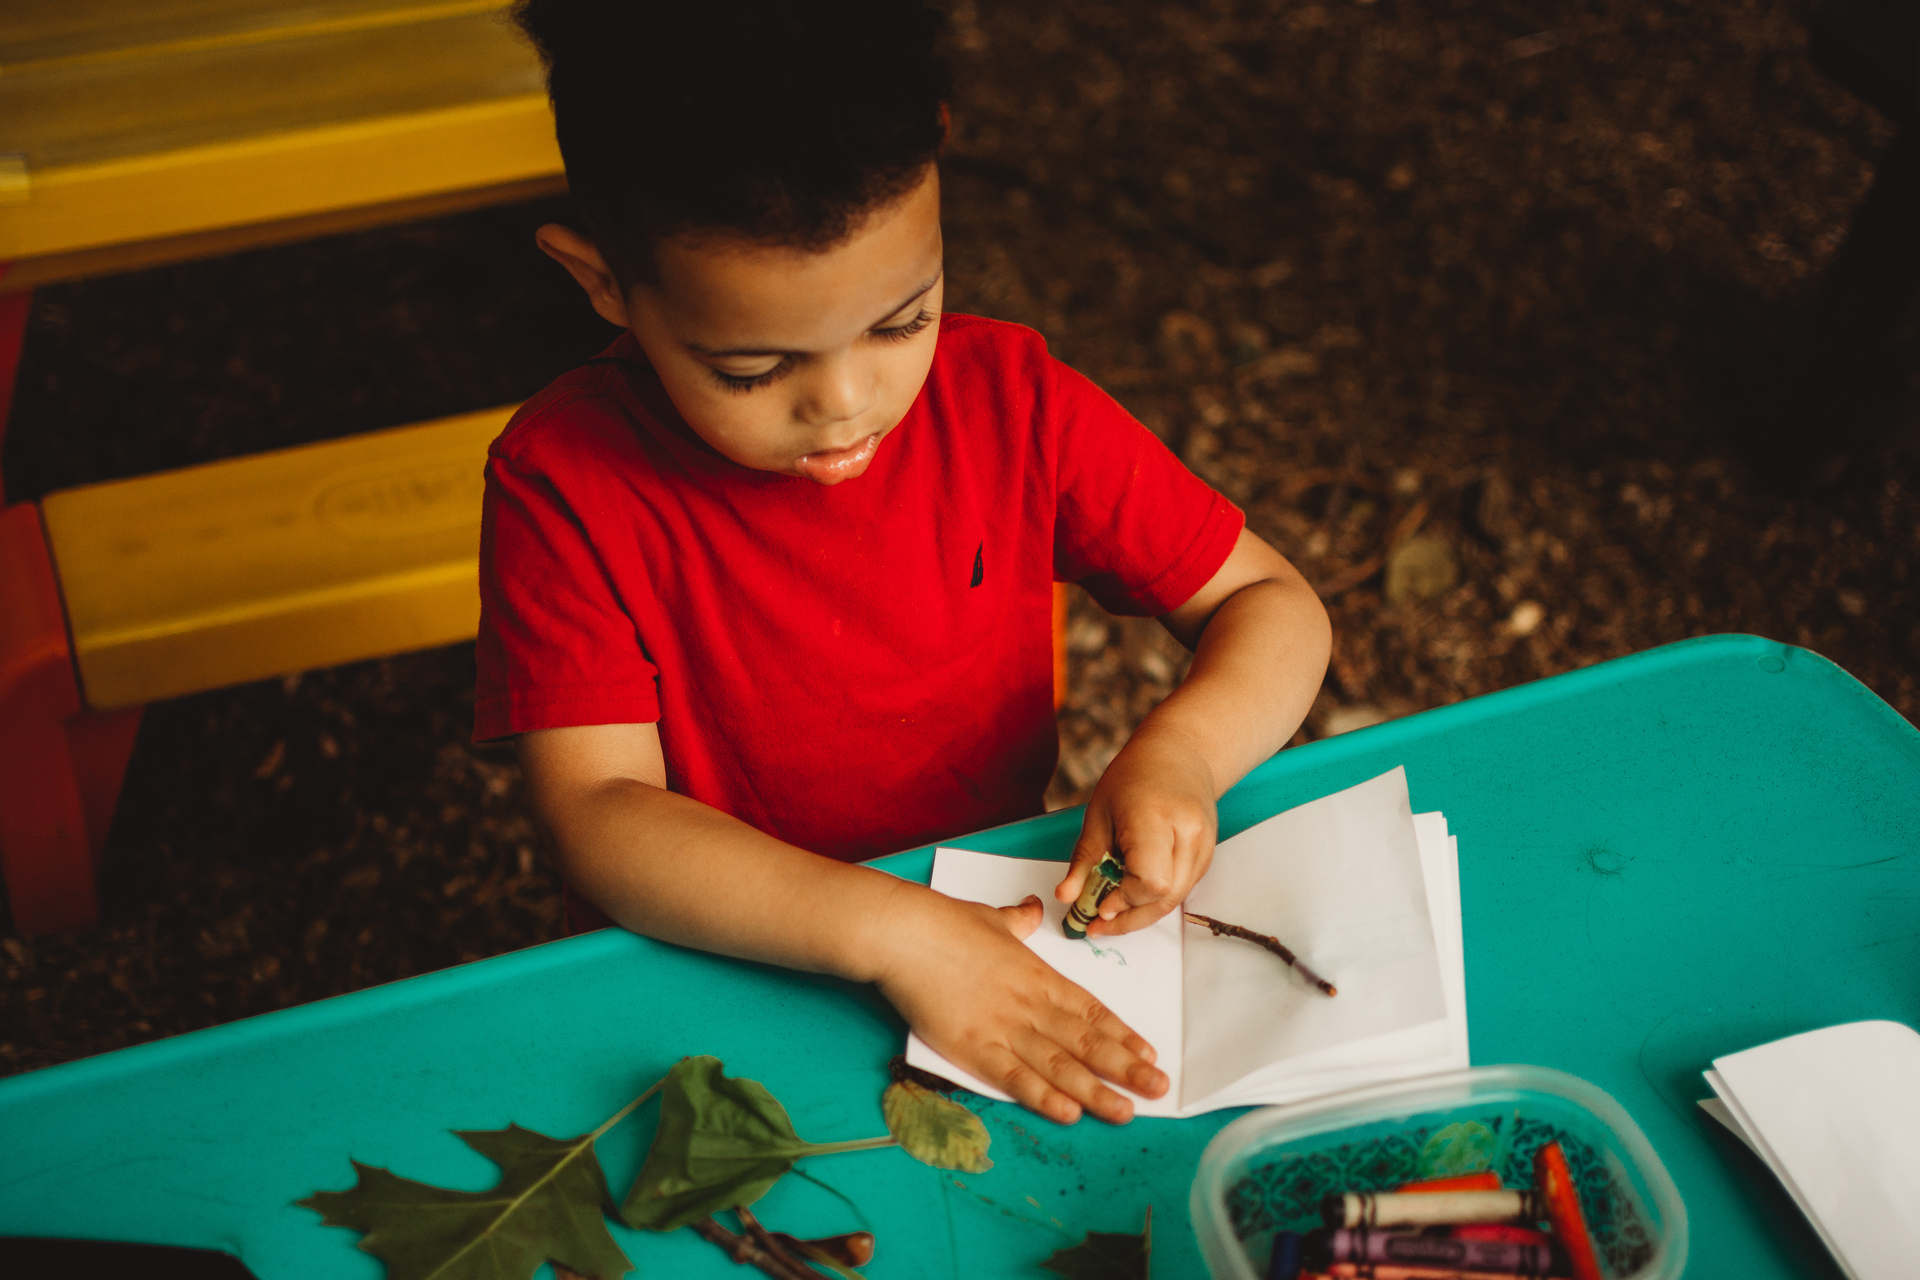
(747, 1250)
(1268, 941)
(809, 1256)
(764, 1238)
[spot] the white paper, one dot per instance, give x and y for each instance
(1440, 861)
(1835, 1114)
(1396, 1055)
(1340, 881)
(1358, 857)
(1718, 1110)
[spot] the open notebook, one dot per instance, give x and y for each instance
(1366, 892)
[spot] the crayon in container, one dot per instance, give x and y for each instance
(1273, 1170)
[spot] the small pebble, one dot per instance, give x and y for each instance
(1525, 618)
(1421, 568)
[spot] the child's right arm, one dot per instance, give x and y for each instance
(672, 868)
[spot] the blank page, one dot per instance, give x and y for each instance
(1339, 881)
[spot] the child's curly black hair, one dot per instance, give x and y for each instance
(783, 121)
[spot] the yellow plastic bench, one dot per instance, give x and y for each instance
(284, 561)
(134, 132)
(188, 580)
(137, 132)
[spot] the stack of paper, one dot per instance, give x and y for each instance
(1365, 892)
(1835, 1114)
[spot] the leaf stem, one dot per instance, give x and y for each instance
(628, 1110)
(857, 1144)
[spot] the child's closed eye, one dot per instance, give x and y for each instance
(753, 382)
(901, 332)
(744, 382)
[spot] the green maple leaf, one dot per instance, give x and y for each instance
(720, 1145)
(548, 1205)
(1106, 1255)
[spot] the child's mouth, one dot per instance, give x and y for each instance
(831, 466)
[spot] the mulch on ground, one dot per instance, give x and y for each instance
(1464, 304)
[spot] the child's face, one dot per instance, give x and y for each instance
(791, 361)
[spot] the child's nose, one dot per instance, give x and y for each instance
(840, 391)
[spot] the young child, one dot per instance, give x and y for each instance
(767, 587)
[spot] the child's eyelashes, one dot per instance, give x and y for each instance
(752, 382)
(743, 383)
(901, 332)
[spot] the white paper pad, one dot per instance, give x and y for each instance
(1365, 892)
(1835, 1114)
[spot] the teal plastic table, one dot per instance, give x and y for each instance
(1663, 859)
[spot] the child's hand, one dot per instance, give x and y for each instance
(960, 976)
(1155, 805)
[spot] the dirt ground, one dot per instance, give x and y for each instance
(1468, 304)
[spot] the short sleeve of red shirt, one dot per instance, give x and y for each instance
(1132, 525)
(559, 649)
(858, 668)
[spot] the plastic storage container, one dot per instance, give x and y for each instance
(1267, 1171)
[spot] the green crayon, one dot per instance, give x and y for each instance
(1101, 881)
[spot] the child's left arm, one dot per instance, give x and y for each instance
(1260, 638)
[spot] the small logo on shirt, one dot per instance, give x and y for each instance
(979, 564)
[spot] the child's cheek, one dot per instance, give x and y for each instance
(752, 430)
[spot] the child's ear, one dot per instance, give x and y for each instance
(583, 262)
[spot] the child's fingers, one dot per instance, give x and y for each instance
(1113, 1060)
(1151, 872)
(1028, 1087)
(1059, 1062)
(1035, 1092)
(1096, 839)
(1132, 907)
(1085, 1030)
(1132, 918)
(1078, 1058)
(1062, 1072)
(1023, 917)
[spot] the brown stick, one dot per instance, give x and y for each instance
(748, 1250)
(765, 1239)
(1271, 943)
(808, 1252)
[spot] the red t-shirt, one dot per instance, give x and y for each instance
(855, 669)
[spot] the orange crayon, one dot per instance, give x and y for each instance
(1553, 1181)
